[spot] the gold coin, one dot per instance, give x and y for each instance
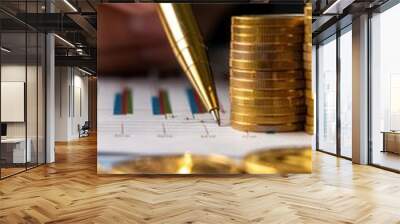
(307, 56)
(254, 110)
(266, 47)
(267, 120)
(177, 164)
(307, 66)
(308, 84)
(253, 74)
(279, 160)
(308, 8)
(307, 62)
(255, 30)
(270, 20)
(309, 129)
(245, 126)
(277, 33)
(247, 38)
(283, 102)
(307, 26)
(242, 92)
(309, 101)
(307, 37)
(261, 94)
(308, 75)
(265, 65)
(307, 47)
(309, 94)
(266, 84)
(309, 120)
(246, 55)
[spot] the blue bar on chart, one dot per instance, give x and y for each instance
(155, 102)
(118, 104)
(196, 106)
(192, 102)
(123, 102)
(161, 103)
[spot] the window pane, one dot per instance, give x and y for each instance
(346, 94)
(385, 84)
(327, 96)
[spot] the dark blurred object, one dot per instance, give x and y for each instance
(84, 130)
(131, 40)
(3, 129)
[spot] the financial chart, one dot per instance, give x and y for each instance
(149, 116)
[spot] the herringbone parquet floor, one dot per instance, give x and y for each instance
(69, 191)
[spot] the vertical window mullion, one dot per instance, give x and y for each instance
(338, 99)
(317, 97)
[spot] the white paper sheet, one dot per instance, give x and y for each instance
(143, 133)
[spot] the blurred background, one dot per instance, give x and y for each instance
(137, 43)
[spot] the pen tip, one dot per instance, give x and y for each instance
(216, 116)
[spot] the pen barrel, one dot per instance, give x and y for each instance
(188, 46)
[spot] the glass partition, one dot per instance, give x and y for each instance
(23, 91)
(14, 153)
(385, 89)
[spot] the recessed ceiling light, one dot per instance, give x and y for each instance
(70, 6)
(5, 50)
(64, 40)
(84, 71)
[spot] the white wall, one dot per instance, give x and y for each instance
(12, 73)
(71, 102)
(33, 127)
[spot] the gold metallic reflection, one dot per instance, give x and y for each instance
(178, 164)
(187, 43)
(270, 161)
(296, 160)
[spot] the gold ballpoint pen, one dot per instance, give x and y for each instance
(187, 43)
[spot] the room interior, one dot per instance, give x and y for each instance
(49, 104)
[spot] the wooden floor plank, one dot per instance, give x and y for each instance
(70, 191)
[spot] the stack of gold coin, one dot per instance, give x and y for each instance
(266, 73)
(307, 55)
